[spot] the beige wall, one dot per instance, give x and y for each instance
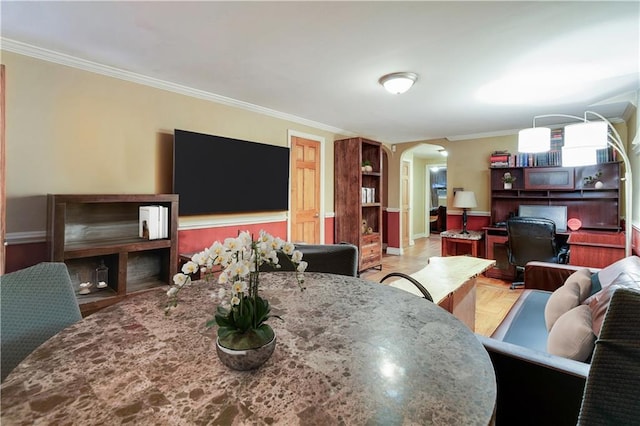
(72, 131)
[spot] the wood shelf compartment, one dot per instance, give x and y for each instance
(85, 229)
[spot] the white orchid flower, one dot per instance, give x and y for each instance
(190, 267)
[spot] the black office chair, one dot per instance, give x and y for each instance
(416, 283)
(530, 238)
(341, 259)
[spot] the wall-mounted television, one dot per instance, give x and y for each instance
(214, 174)
(558, 214)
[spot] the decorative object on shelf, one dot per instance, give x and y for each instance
(500, 159)
(593, 180)
(574, 224)
(102, 275)
(581, 143)
(85, 288)
(366, 166)
(241, 319)
(508, 180)
(465, 200)
(364, 226)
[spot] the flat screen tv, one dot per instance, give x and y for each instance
(558, 214)
(214, 174)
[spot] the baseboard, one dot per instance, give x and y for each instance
(394, 251)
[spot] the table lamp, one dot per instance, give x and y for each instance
(465, 200)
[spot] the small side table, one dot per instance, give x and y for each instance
(455, 243)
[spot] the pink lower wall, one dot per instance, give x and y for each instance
(393, 229)
(19, 256)
(192, 240)
(329, 232)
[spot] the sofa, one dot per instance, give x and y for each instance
(541, 352)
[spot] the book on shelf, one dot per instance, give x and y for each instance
(153, 222)
(542, 159)
(500, 159)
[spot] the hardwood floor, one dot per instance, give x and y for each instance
(493, 298)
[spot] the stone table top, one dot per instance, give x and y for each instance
(457, 233)
(349, 351)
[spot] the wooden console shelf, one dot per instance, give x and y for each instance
(87, 229)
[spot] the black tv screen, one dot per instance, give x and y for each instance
(214, 174)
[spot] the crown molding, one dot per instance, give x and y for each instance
(106, 70)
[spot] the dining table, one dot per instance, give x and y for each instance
(349, 351)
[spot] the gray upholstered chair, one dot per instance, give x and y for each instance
(35, 304)
(341, 259)
(611, 392)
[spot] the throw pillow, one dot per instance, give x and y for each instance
(604, 277)
(600, 302)
(575, 289)
(572, 336)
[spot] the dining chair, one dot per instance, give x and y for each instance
(341, 259)
(416, 283)
(37, 302)
(528, 239)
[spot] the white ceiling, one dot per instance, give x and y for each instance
(484, 67)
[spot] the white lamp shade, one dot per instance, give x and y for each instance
(535, 139)
(573, 157)
(465, 200)
(592, 134)
(398, 82)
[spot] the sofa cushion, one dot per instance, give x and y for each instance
(572, 335)
(572, 293)
(600, 302)
(603, 278)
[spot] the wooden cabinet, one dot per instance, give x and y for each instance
(357, 199)
(85, 231)
(496, 249)
(595, 249)
(596, 205)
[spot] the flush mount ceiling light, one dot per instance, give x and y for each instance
(398, 82)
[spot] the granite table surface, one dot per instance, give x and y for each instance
(349, 351)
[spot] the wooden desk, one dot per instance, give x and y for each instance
(595, 249)
(455, 243)
(349, 351)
